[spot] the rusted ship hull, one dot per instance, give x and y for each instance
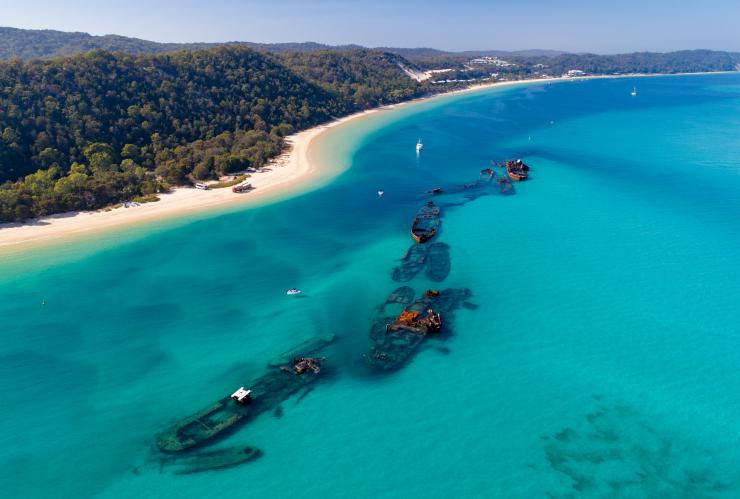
(426, 224)
(267, 392)
(516, 177)
(308, 347)
(393, 346)
(517, 170)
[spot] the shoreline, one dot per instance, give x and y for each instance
(294, 172)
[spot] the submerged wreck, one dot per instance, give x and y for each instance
(503, 182)
(488, 182)
(212, 460)
(310, 346)
(438, 262)
(412, 262)
(426, 223)
(434, 259)
(402, 325)
(264, 394)
(198, 462)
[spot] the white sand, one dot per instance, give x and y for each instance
(287, 175)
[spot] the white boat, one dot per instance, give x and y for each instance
(634, 91)
(380, 194)
(419, 146)
(293, 291)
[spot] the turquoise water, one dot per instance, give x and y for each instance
(601, 360)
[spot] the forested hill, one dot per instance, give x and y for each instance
(683, 61)
(30, 44)
(85, 131)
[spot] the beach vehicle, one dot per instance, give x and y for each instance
(202, 187)
(293, 291)
(426, 223)
(264, 394)
(634, 92)
(243, 187)
(419, 146)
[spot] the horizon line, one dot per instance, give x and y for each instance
(379, 47)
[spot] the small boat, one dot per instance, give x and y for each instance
(426, 223)
(634, 92)
(419, 146)
(380, 194)
(242, 188)
(293, 291)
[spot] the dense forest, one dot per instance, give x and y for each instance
(102, 126)
(30, 44)
(685, 61)
(93, 129)
(364, 78)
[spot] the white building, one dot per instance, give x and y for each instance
(492, 61)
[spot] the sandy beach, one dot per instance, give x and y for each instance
(297, 170)
(288, 174)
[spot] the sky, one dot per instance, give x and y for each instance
(570, 25)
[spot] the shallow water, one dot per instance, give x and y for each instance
(600, 361)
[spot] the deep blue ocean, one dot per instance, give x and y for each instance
(602, 359)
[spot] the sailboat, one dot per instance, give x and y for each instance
(634, 91)
(419, 146)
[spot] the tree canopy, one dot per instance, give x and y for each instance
(86, 131)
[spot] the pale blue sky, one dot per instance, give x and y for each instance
(573, 25)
